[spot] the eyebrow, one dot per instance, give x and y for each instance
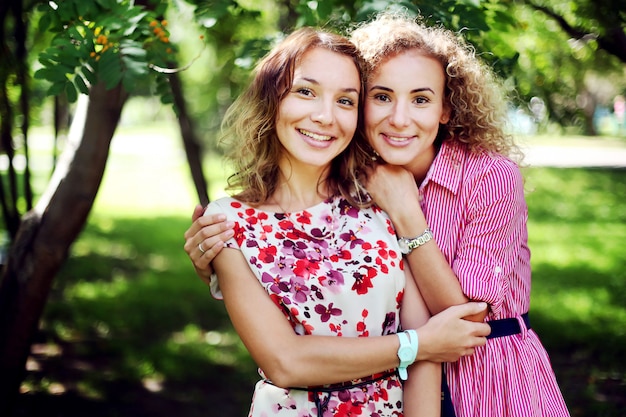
(314, 81)
(416, 90)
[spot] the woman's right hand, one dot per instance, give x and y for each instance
(208, 233)
(447, 335)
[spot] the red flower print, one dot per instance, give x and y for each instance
(304, 217)
(239, 233)
(285, 224)
(349, 409)
(304, 268)
(266, 255)
(362, 283)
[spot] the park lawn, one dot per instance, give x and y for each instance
(130, 331)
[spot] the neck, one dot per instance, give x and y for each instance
(420, 166)
(300, 186)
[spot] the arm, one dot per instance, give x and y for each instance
(395, 191)
(292, 360)
(422, 390)
(211, 231)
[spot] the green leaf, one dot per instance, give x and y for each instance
(131, 49)
(56, 89)
(137, 68)
(80, 84)
(129, 81)
(52, 74)
(86, 8)
(89, 75)
(70, 91)
(44, 22)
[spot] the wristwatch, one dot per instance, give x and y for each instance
(407, 352)
(407, 245)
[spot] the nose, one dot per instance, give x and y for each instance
(399, 116)
(324, 113)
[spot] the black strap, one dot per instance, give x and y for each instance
(447, 409)
(507, 327)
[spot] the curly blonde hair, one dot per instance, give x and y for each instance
(472, 91)
(249, 126)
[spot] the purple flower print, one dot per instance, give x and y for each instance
(326, 312)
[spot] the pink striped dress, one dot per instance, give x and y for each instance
(474, 203)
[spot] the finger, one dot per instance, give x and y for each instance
(210, 254)
(197, 212)
(469, 309)
(214, 232)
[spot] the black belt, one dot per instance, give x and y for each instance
(507, 327)
(322, 403)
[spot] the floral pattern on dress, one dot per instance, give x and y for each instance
(332, 269)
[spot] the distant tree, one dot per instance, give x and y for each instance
(602, 22)
(566, 49)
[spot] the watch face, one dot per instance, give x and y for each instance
(405, 353)
(404, 248)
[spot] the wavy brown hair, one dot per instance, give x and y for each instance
(473, 93)
(249, 126)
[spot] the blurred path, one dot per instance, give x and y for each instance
(580, 155)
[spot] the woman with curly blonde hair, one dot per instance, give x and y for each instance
(435, 114)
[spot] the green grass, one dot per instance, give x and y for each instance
(577, 234)
(130, 331)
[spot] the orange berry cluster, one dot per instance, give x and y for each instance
(159, 30)
(101, 40)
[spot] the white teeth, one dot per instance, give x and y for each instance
(397, 139)
(315, 136)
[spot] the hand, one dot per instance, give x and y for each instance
(210, 231)
(447, 336)
(393, 188)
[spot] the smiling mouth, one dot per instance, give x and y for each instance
(315, 136)
(398, 138)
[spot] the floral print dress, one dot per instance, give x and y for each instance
(332, 269)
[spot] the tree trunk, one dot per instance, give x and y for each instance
(47, 232)
(193, 150)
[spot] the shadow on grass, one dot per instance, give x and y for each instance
(129, 330)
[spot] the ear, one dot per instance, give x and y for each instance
(445, 114)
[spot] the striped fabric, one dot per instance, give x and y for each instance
(475, 205)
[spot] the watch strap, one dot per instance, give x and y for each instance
(408, 344)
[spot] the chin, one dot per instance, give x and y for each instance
(397, 158)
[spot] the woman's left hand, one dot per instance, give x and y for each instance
(394, 190)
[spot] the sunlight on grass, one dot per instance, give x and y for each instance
(220, 347)
(600, 246)
(94, 290)
(581, 305)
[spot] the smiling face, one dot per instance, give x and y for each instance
(318, 117)
(403, 109)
